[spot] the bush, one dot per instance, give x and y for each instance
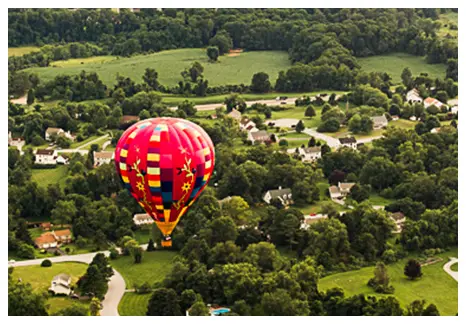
(114, 253)
(81, 242)
(46, 263)
(389, 256)
(26, 251)
(143, 289)
(44, 166)
(331, 125)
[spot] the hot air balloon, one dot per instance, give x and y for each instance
(165, 163)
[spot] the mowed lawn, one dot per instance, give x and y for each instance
(435, 286)
(394, 64)
(454, 267)
(169, 64)
(133, 304)
(20, 51)
(153, 268)
(44, 177)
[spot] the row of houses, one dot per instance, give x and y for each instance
(413, 97)
(53, 239)
(51, 157)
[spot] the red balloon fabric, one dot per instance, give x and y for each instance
(165, 163)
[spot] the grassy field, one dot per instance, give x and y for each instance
(87, 140)
(99, 142)
(169, 65)
(58, 303)
(394, 64)
(44, 177)
(153, 268)
(143, 235)
(40, 277)
(20, 51)
(454, 267)
(133, 304)
(446, 20)
(435, 286)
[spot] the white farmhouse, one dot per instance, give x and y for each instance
(247, 125)
(44, 156)
(142, 219)
(379, 121)
(340, 191)
(413, 96)
(284, 195)
(258, 137)
(310, 154)
(348, 142)
(61, 284)
(103, 158)
(49, 132)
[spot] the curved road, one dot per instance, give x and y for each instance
(116, 285)
(447, 268)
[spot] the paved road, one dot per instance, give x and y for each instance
(331, 141)
(447, 268)
(80, 150)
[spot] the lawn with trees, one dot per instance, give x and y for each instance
(133, 304)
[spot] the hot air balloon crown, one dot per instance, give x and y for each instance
(165, 163)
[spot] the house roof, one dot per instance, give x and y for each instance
(315, 149)
(346, 185)
(259, 134)
(128, 118)
(334, 189)
(140, 217)
(397, 216)
(103, 155)
(347, 140)
(432, 101)
(44, 152)
(234, 113)
(45, 238)
(245, 120)
(62, 277)
(65, 232)
(413, 92)
(53, 130)
(379, 119)
(279, 192)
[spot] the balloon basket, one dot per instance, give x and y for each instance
(166, 243)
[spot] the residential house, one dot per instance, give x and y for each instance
(46, 226)
(395, 117)
(349, 141)
(454, 110)
(284, 195)
(49, 132)
(142, 219)
(103, 157)
(379, 121)
(18, 142)
(235, 114)
(62, 160)
(46, 241)
(435, 130)
(310, 219)
(63, 236)
(247, 125)
(128, 119)
(310, 154)
(432, 101)
(44, 156)
(61, 284)
(340, 191)
(413, 96)
(258, 137)
(399, 219)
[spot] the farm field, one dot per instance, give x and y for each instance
(133, 304)
(435, 286)
(394, 64)
(20, 51)
(169, 64)
(44, 177)
(154, 266)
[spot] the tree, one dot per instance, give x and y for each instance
(330, 125)
(25, 251)
(73, 310)
(223, 229)
(222, 41)
(93, 282)
(442, 96)
(300, 126)
(23, 301)
(359, 193)
(279, 303)
(199, 309)
(310, 111)
(416, 308)
(413, 269)
(31, 97)
(324, 149)
(381, 280)
(234, 101)
(213, 53)
(188, 298)
(238, 209)
(312, 142)
(150, 246)
(150, 77)
(264, 256)
(380, 173)
(64, 212)
(164, 302)
(283, 142)
(260, 83)
(101, 261)
(194, 72)
(95, 307)
(407, 77)
(46, 263)
(188, 108)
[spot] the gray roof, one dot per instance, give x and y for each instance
(314, 149)
(379, 119)
(279, 192)
(44, 152)
(62, 277)
(259, 134)
(347, 140)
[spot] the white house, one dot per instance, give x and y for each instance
(349, 141)
(46, 241)
(103, 158)
(62, 160)
(309, 219)
(284, 195)
(142, 219)
(44, 156)
(412, 118)
(49, 132)
(454, 110)
(413, 96)
(247, 125)
(379, 121)
(61, 284)
(432, 101)
(399, 219)
(310, 154)
(340, 191)
(235, 114)
(435, 130)
(258, 136)
(18, 142)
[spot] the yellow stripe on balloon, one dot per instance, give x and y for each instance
(155, 138)
(153, 171)
(122, 166)
(123, 153)
(154, 183)
(125, 179)
(153, 157)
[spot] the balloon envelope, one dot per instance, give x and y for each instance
(165, 163)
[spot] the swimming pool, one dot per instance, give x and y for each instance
(219, 311)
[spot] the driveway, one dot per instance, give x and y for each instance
(331, 141)
(447, 268)
(80, 150)
(116, 285)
